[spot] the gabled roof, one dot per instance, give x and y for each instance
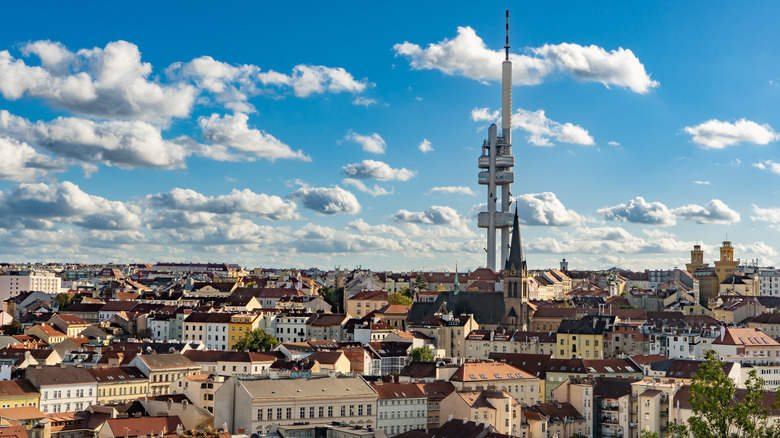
(749, 337)
(487, 371)
(147, 426)
(390, 391)
(56, 375)
(167, 361)
(372, 295)
(557, 412)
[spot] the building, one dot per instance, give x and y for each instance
(63, 389)
(18, 394)
(366, 302)
(401, 407)
(69, 324)
(582, 338)
(240, 325)
(119, 384)
(162, 369)
(478, 376)
(12, 283)
(257, 405)
(481, 343)
(747, 345)
(494, 407)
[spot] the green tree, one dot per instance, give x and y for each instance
(399, 298)
(648, 434)
(333, 297)
(422, 354)
(14, 328)
(406, 292)
(718, 411)
(256, 340)
(420, 283)
(66, 299)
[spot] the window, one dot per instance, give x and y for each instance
(311, 412)
(343, 411)
(330, 411)
(303, 412)
(259, 414)
(278, 413)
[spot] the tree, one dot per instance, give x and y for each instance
(406, 292)
(717, 409)
(14, 328)
(422, 354)
(333, 297)
(256, 340)
(420, 283)
(65, 299)
(399, 298)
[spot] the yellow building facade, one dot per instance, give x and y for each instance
(240, 324)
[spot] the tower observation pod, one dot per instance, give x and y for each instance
(496, 165)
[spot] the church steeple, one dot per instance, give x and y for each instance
(515, 260)
(456, 286)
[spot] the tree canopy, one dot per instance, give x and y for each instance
(720, 410)
(399, 298)
(420, 283)
(422, 354)
(65, 299)
(256, 340)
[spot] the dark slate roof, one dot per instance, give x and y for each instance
(487, 307)
(612, 387)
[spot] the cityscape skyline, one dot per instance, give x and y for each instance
(349, 137)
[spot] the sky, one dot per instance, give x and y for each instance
(347, 134)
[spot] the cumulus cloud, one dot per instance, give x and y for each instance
(232, 85)
(306, 80)
(111, 82)
(371, 143)
(541, 129)
(640, 211)
(717, 134)
(703, 183)
(22, 163)
(605, 240)
(234, 132)
(371, 169)
(715, 212)
(114, 143)
(435, 215)
(768, 165)
(375, 191)
(425, 146)
(224, 229)
(65, 202)
(771, 215)
(757, 248)
(238, 201)
(545, 209)
(460, 190)
(320, 239)
(326, 200)
(467, 55)
(484, 115)
(613, 143)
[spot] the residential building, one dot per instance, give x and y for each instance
(481, 343)
(366, 302)
(47, 333)
(563, 419)
(582, 338)
(326, 326)
(18, 394)
(435, 392)
(13, 283)
(291, 327)
(448, 332)
(476, 376)
(259, 404)
(63, 389)
(401, 407)
(747, 345)
(494, 407)
(162, 369)
(228, 363)
(69, 324)
(199, 388)
(119, 384)
(241, 324)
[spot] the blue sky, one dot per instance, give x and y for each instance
(348, 134)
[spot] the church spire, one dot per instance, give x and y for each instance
(515, 260)
(456, 286)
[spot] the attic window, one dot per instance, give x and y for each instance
(498, 376)
(483, 376)
(472, 376)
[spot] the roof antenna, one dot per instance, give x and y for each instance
(506, 47)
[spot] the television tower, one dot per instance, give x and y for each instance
(498, 160)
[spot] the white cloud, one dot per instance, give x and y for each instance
(467, 55)
(592, 63)
(771, 215)
(756, 248)
(320, 239)
(21, 163)
(225, 229)
(234, 132)
(460, 190)
(306, 80)
(371, 169)
(613, 143)
(435, 215)
(485, 115)
(768, 165)
(606, 240)
(425, 146)
(65, 202)
(704, 183)
(326, 200)
(716, 134)
(640, 211)
(243, 201)
(371, 143)
(545, 209)
(114, 143)
(715, 212)
(364, 101)
(375, 191)
(542, 129)
(108, 83)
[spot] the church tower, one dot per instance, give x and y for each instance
(515, 284)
